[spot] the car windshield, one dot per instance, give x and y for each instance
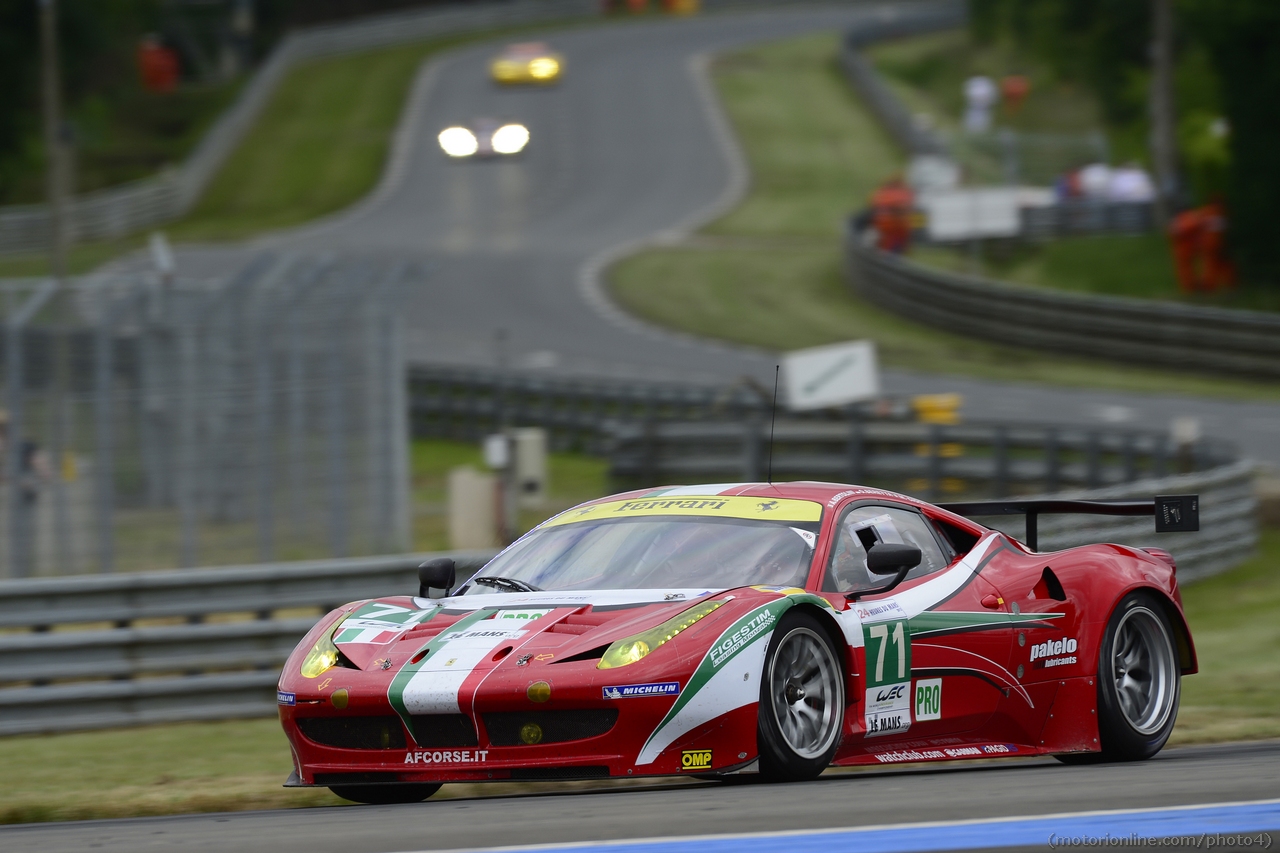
(657, 553)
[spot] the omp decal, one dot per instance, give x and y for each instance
(716, 506)
(927, 699)
(380, 623)
(399, 693)
(283, 697)
(628, 691)
(695, 759)
(727, 678)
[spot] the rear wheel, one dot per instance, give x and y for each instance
(801, 701)
(1139, 683)
(384, 795)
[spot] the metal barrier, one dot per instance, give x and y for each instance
(230, 630)
(205, 421)
(1150, 332)
(918, 458)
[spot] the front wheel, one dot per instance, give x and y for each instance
(801, 701)
(1139, 681)
(385, 795)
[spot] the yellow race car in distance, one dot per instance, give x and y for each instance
(527, 62)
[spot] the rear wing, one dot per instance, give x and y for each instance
(1173, 513)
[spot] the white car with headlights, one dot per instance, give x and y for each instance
(484, 138)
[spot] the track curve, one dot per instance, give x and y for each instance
(1191, 775)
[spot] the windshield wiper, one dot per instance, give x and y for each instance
(507, 584)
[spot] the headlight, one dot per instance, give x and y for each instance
(510, 139)
(543, 68)
(458, 142)
(324, 654)
(632, 649)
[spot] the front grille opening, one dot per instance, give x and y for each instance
(354, 732)
(535, 774)
(444, 730)
(373, 778)
(530, 728)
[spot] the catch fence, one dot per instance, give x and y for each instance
(153, 421)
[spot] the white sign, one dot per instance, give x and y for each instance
(830, 376)
(973, 214)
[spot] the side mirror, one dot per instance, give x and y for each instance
(436, 574)
(885, 558)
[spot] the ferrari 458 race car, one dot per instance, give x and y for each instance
(527, 62)
(728, 629)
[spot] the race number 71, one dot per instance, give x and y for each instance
(888, 652)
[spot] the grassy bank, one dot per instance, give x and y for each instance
(769, 273)
(238, 765)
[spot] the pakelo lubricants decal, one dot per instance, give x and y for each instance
(888, 677)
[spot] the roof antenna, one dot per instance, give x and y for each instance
(773, 419)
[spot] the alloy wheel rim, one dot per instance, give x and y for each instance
(807, 692)
(1143, 670)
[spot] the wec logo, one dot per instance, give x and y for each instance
(897, 691)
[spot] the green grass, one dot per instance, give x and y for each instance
(769, 273)
(571, 479)
(1236, 694)
(237, 765)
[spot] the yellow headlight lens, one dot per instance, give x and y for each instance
(632, 649)
(323, 655)
(543, 68)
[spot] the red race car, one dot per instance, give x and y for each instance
(728, 629)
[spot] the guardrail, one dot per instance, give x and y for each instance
(225, 633)
(920, 458)
(1150, 332)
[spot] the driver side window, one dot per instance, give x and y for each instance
(864, 526)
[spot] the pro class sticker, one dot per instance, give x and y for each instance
(928, 699)
(628, 691)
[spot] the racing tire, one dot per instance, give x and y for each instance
(1139, 683)
(386, 795)
(802, 701)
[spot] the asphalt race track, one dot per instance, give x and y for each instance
(630, 148)
(874, 797)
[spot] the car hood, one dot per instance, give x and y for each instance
(387, 632)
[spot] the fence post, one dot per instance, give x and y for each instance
(104, 455)
(1000, 450)
(751, 443)
(856, 447)
(935, 461)
(1127, 458)
(1051, 460)
(1092, 461)
(186, 455)
(19, 535)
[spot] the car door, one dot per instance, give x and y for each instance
(934, 648)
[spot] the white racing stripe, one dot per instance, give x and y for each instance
(433, 689)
